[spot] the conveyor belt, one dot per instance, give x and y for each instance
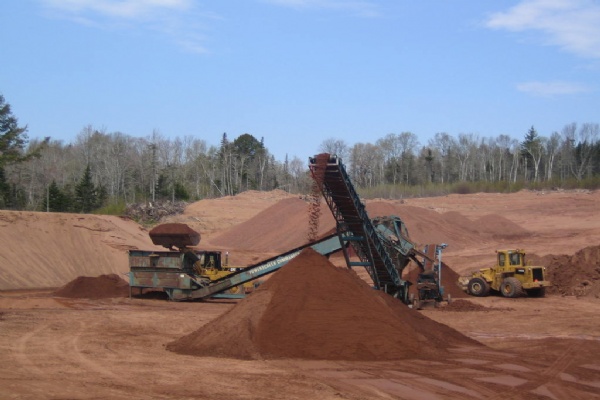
(354, 224)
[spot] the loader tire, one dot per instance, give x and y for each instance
(511, 287)
(478, 287)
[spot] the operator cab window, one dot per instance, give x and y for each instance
(501, 259)
(515, 259)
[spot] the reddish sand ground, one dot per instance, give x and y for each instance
(66, 336)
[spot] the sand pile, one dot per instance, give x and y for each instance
(279, 228)
(424, 225)
(575, 275)
(46, 250)
(100, 287)
(210, 216)
(311, 309)
(263, 232)
(429, 226)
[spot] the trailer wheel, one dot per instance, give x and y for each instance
(478, 287)
(511, 287)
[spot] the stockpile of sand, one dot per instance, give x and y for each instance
(212, 216)
(284, 226)
(574, 275)
(279, 228)
(100, 287)
(47, 250)
(429, 226)
(424, 225)
(311, 309)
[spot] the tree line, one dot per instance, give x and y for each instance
(101, 168)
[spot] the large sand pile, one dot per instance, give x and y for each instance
(284, 226)
(573, 275)
(281, 227)
(429, 226)
(50, 249)
(213, 216)
(311, 309)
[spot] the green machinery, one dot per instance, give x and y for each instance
(187, 274)
(382, 245)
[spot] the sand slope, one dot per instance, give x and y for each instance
(51, 249)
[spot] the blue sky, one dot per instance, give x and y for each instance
(298, 72)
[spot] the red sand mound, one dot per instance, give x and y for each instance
(575, 275)
(103, 286)
(281, 227)
(424, 225)
(311, 309)
(499, 227)
(452, 227)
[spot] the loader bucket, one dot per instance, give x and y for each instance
(174, 235)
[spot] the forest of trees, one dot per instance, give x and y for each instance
(100, 168)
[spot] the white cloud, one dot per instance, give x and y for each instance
(573, 25)
(357, 7)
(552, 89)
(176, 19)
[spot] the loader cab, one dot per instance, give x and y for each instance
(211, 260)
(511, 258)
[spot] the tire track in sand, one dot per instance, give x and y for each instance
(545, 379)
(27, 351)
(85, 358)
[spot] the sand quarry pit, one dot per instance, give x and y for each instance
(315, 331)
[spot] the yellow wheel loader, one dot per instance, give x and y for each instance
(511, 276)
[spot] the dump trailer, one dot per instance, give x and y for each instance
(188, 274)
(381, 244)
(511, 276)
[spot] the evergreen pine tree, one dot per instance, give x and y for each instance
(181, 193)
(12, 137)
(56, 200)
(4, 190)
(86, 194)
(162, 188)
